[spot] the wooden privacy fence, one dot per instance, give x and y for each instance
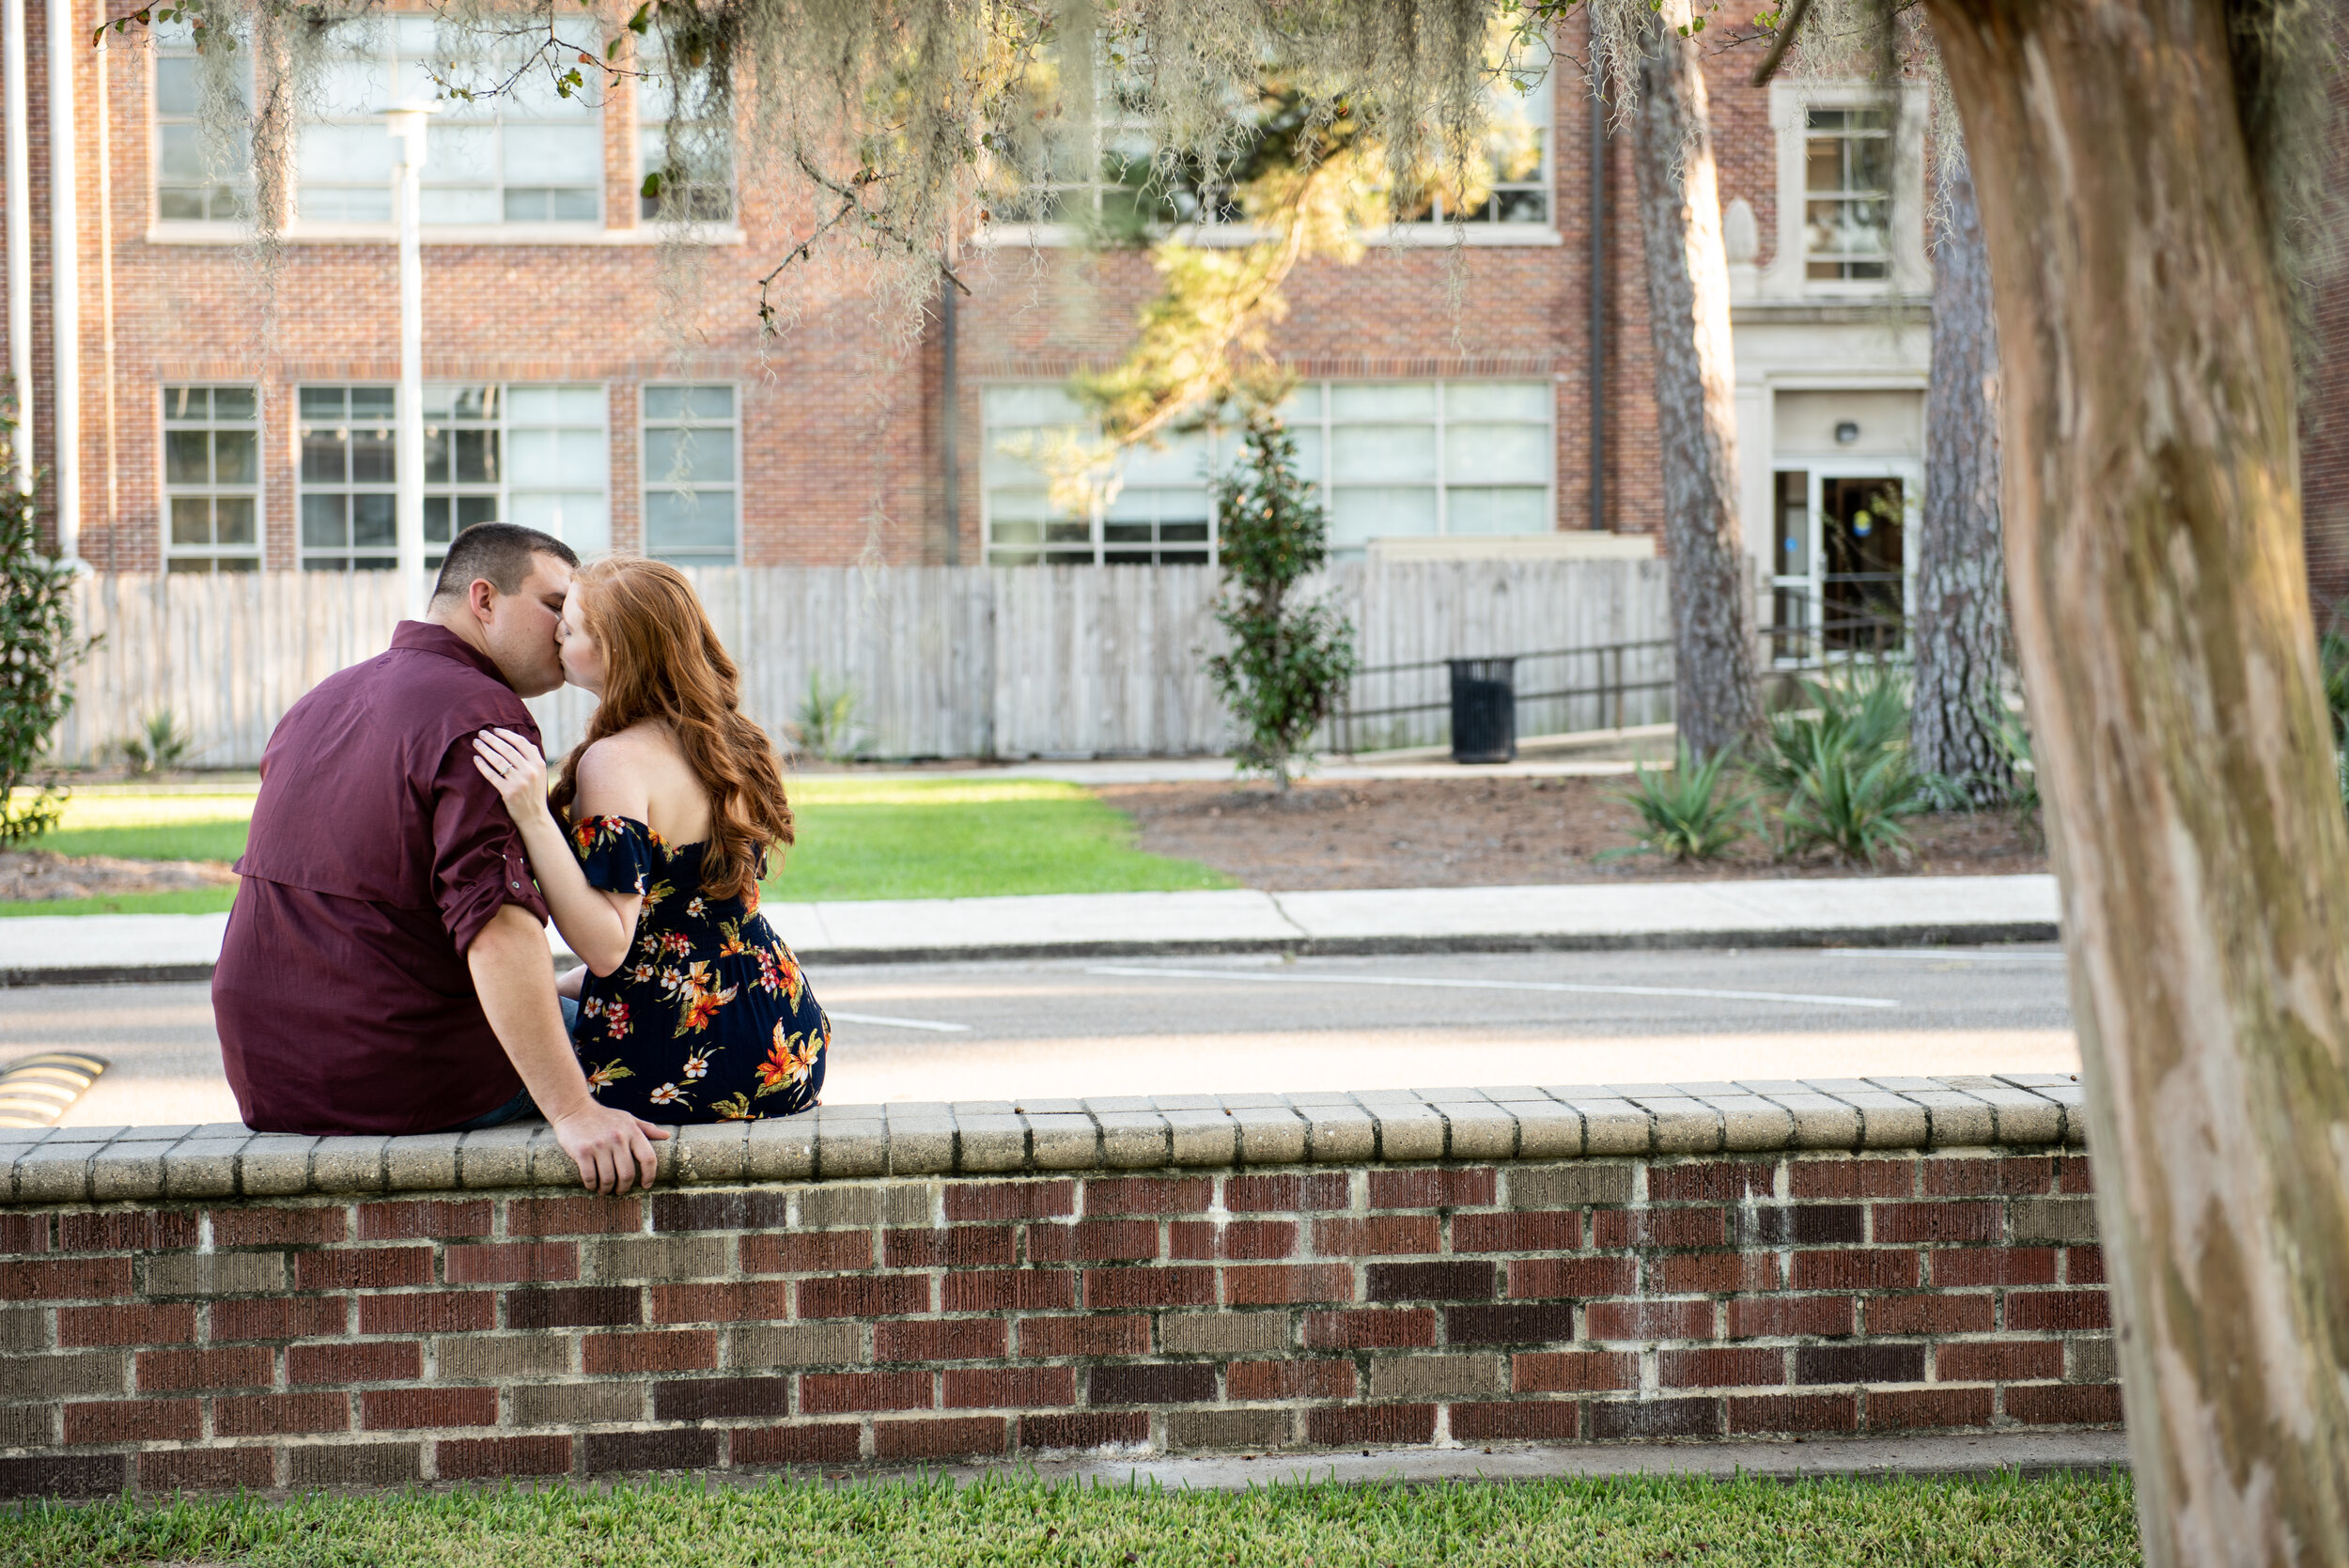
(942, 661)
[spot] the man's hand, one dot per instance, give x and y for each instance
(515, 979)
(610, 1147)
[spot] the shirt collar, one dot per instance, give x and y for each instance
(426, 637)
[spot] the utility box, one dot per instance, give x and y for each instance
(1484, 710)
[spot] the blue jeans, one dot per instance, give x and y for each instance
(520, 1105)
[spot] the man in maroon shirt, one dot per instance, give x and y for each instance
(386, 968)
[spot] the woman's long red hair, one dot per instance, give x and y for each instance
(662, 660)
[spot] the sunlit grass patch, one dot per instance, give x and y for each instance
(2066, 1521)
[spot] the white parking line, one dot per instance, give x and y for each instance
(1934, 954)
(1499, 985)
(897, 1023)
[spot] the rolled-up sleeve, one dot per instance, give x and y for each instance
(478, 863)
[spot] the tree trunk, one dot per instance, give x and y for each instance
(1715, 700)
(2161, 618)
(1961, 579)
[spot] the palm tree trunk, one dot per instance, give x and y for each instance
(1961, 575)
(1688, 288)
(2161, 618)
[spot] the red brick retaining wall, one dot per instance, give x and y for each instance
(312, 1338)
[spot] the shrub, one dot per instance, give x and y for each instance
(37, 646)
(1288, 661)
(1842, 770)
(1687, 812)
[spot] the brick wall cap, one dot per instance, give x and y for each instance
(2014, 1111)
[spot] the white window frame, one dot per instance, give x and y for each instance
(501, 489)
(408, 77)
(343, 556)
(1322, 479)
(653, 94)
(179, 557)
(1791, 104)
(648, 482)
(173, 41)
(1430, 230)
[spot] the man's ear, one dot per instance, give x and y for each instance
(481, 598)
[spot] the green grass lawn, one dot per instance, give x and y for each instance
(2062, 1522)
(857, 838)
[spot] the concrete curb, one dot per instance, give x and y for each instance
(1945, 934)
(2028, 1453)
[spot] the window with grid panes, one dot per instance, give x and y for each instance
(347, 478)
(692, 488)
(1158, 510)
(534, 455)
(1516, 156)
(1389, 459)
(701, 189)
(211, 479)
(1847, 195)
(189, 186)
(523, 155)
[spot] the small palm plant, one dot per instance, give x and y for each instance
(826, 722)
(1842, 770)
(1689, 813)
(160, 745)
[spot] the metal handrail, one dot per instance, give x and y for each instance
(1611, 689)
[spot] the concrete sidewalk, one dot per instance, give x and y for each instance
(1859, 912)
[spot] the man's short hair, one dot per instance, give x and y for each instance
(499, 554)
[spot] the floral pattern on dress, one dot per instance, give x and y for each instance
(708, 1017)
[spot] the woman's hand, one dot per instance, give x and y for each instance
(512, 764)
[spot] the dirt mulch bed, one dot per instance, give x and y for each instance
(37, 876)
(1475, 833)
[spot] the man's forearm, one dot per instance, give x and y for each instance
(513, 973)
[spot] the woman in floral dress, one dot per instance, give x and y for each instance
(688, 1007)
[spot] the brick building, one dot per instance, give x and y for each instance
(1470, 385)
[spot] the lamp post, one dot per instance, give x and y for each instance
(405, 121)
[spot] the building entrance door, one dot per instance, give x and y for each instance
(1860, 547)
(1839, 553)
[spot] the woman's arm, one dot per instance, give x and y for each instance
(600, 924)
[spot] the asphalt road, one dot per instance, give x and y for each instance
(942, 1031)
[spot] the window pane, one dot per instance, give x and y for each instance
(477, 456)
(186, 456)
(323, 402)
(1496, 510)
(179, 153)
(191, 520)
(235, 457)
(703, 519)
(1370, 452)
(371, 455)
(1360, 514)
(677, 455)
(177, 89)
(436, 519)
(322, 522)
(1528, 401)
(322, 452)
(1030, 405)
(665, 402)
(371, 402)
(232, 515)
(463, 205)
(459, 155)
(232, 402)
(1500, 452)
(554, 155)
(373, 521)
(1376, 400)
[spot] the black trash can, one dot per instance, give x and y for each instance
(1484, 710)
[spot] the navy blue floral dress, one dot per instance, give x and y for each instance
(709, 1018)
